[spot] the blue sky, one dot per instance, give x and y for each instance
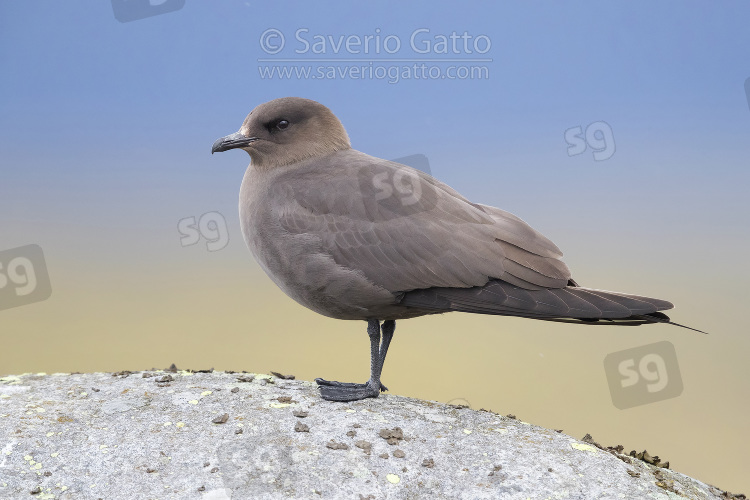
(88, 99)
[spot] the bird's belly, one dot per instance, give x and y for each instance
(296, 263)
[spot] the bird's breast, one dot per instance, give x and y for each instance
(298, 263)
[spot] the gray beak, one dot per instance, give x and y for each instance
(232, 141)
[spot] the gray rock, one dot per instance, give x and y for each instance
(89, 436)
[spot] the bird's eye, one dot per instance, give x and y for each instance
(282, 124)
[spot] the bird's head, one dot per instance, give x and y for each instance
(285, 131)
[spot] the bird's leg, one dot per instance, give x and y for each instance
(389, 326)
(373, 331)
(345, 391)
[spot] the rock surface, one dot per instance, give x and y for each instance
(222, 435)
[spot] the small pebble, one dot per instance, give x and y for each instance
(336, 446)
(392, 436)
(365, 446)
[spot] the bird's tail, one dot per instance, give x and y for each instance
(572, 304)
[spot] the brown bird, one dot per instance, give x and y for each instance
(356, 237)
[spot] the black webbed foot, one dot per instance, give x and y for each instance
(347, 391)
(333, 383)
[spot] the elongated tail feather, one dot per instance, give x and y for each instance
(572, 304)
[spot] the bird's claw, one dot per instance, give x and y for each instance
(348, 391)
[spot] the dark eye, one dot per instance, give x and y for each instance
(282, 124)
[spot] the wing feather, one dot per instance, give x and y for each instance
(366, 221)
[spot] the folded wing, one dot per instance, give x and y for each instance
(404, 230)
